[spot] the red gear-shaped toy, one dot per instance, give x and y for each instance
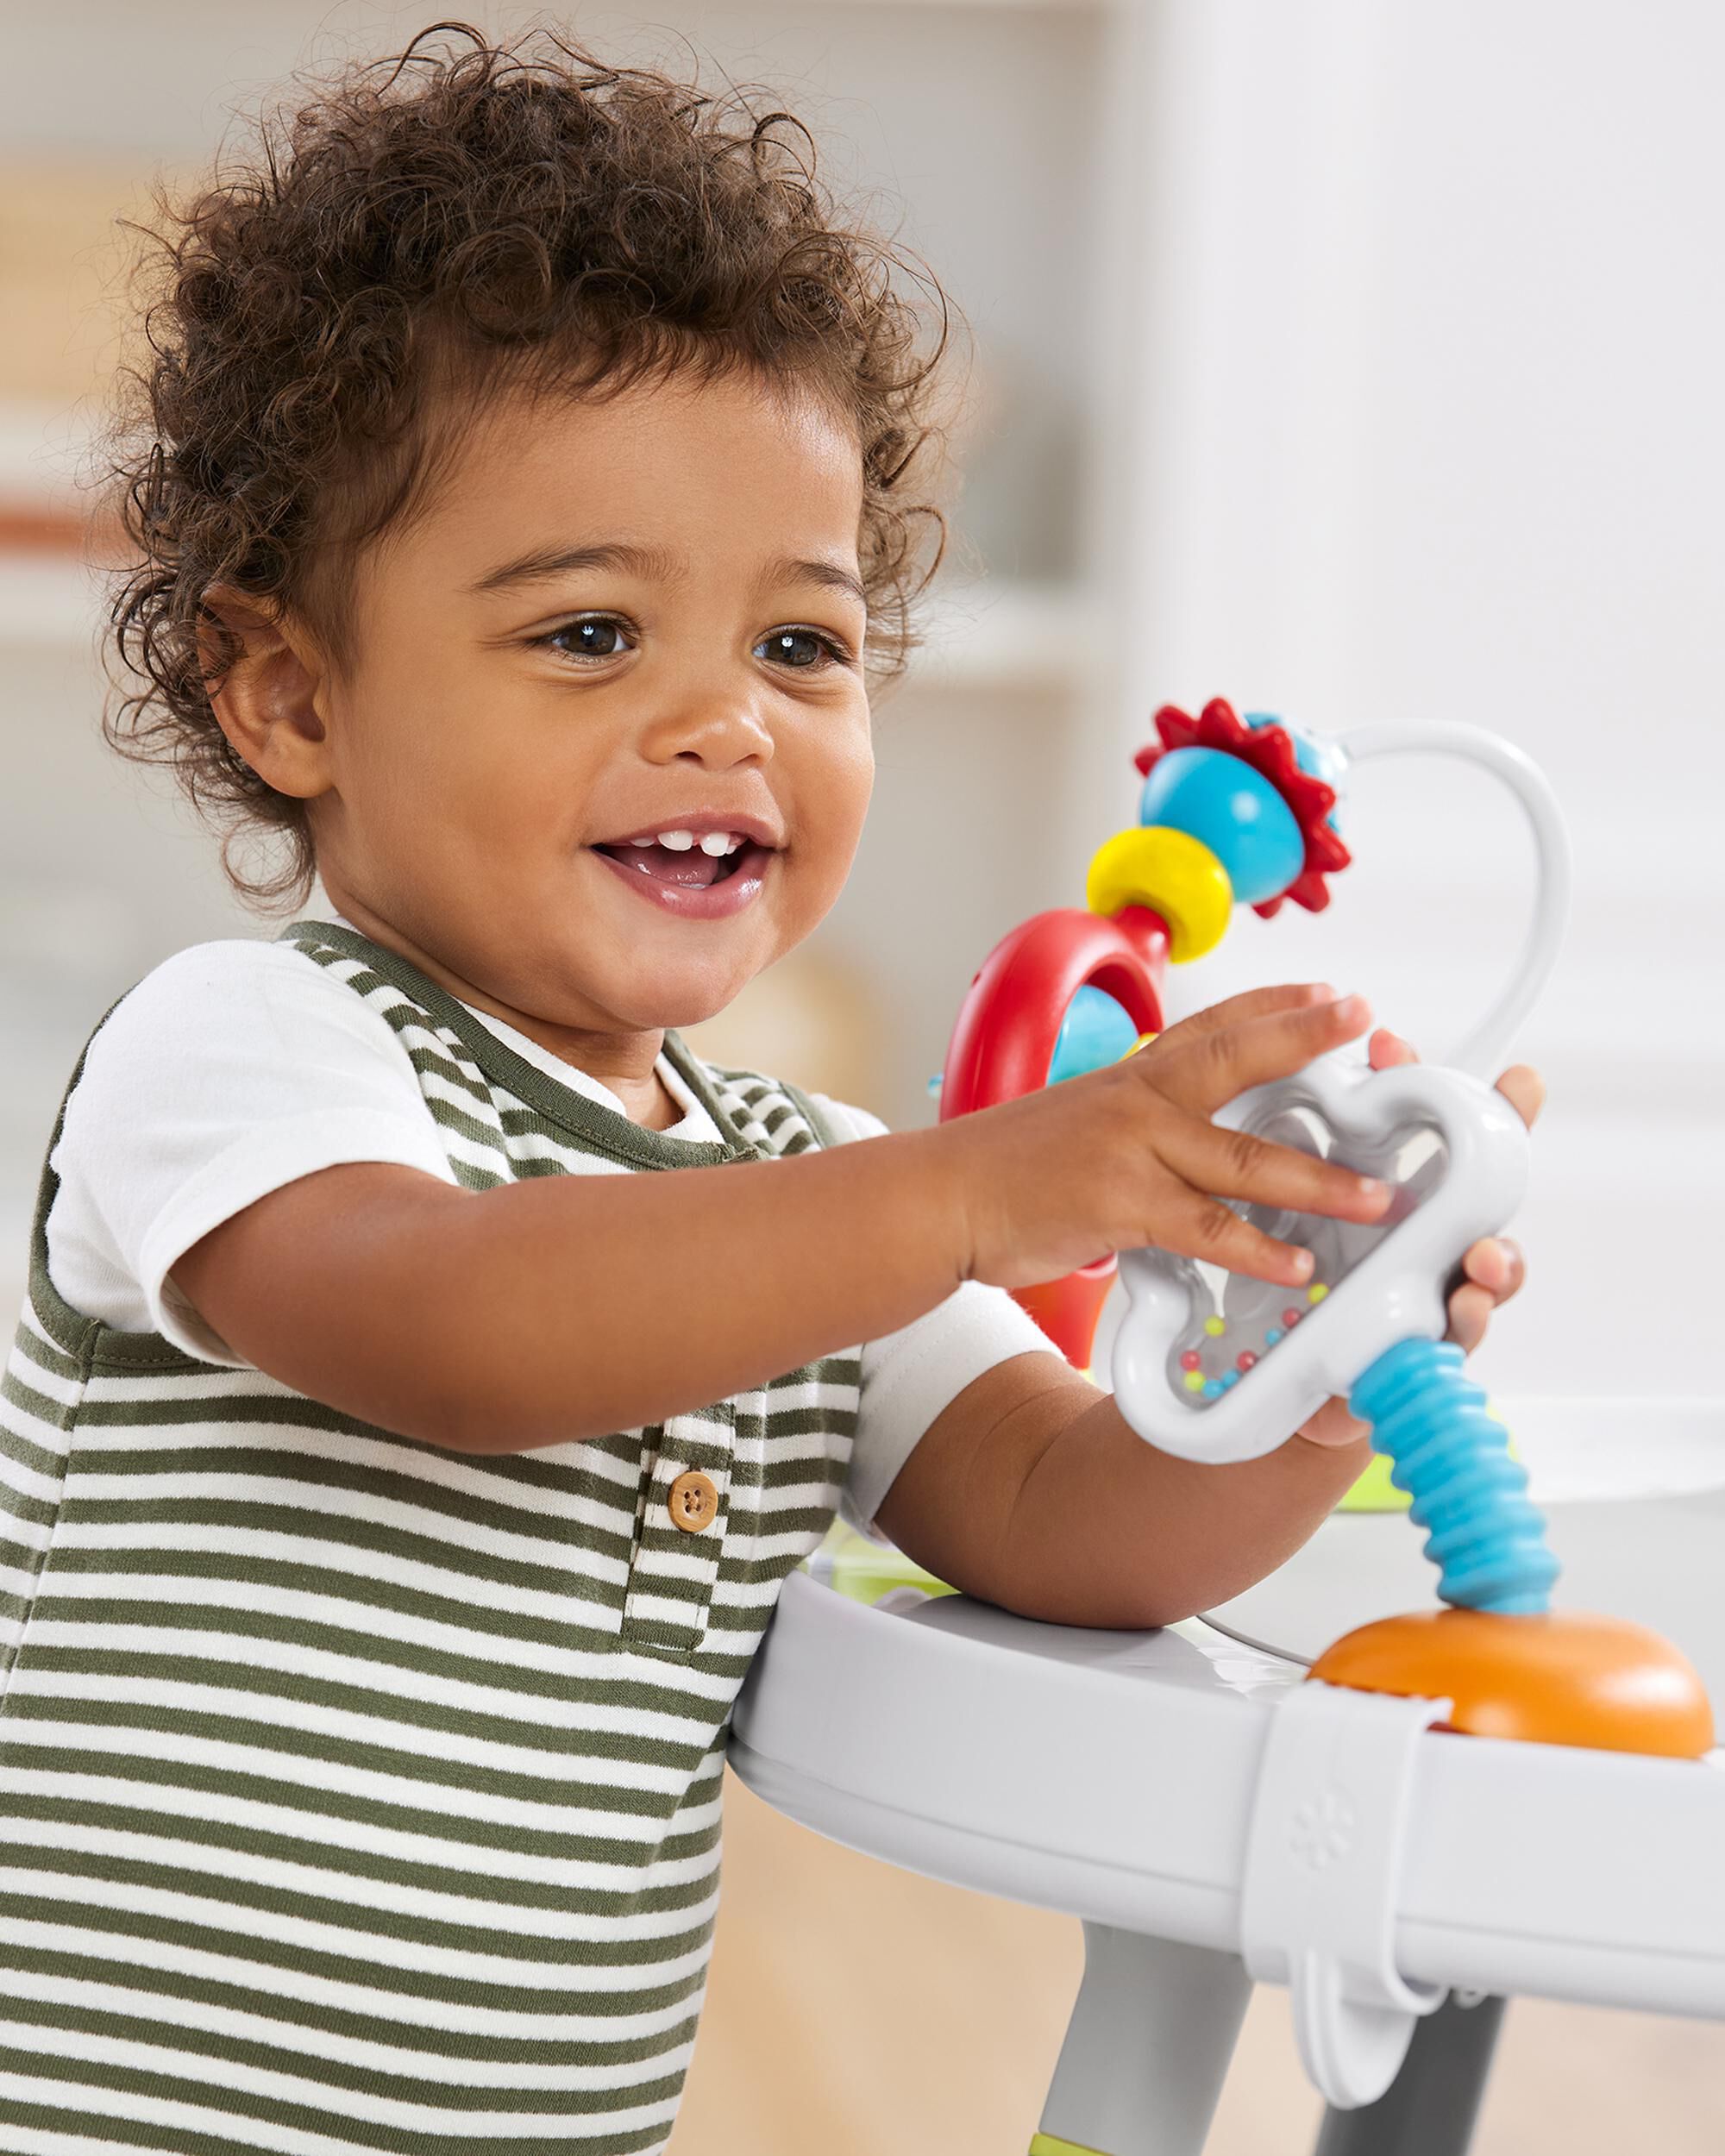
(1270, 751)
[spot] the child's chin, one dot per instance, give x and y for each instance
(671, 1005)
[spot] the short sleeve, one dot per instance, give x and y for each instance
(909, 1376)
(234, 1068)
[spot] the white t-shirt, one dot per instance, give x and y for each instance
(240, 1066)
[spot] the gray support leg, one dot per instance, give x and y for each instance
(1148, 2046)
(1431, 2107)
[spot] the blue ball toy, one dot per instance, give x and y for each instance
(1228, 806)
(1096, 1030)
(1320, 759)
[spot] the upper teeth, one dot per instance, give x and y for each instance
(680, 841)
(713, 842)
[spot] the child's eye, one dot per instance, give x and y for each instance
(594, 636)
(802, 649)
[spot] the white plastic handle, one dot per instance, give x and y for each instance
(1483, 1048)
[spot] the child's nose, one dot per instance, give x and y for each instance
(716, 726)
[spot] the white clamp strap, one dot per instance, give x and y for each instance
(1323, 1869)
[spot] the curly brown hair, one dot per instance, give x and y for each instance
(472, 216)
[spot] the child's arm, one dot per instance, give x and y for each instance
(565, 1306)
(1032, 1490)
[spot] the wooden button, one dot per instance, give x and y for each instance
(693, 1501)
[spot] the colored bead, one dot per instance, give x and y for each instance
(1319, 758)
(1247, 1359)
(1223, 802)
(1215, 1327)
(1272, 1336)
(1096, 1030)
(1316, 1292)
(1230, 1379)
(1193, 1380)
(1173, 875)
(1213, 1389)
(1190, 1360)
(1292, 1317)
(1271, 751)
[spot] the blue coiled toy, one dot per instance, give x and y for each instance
(1429, 1417)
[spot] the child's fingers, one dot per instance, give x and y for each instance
(1253, 1003)
(1496, 1265)
(1471, 1311)
(1215, 1064)
(1333, 1425)
(1493, 1271)
(1235, 1165)
(1525, 1090)
(1192, 1226)
(1386, 1049)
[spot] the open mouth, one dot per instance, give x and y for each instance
(705, 871)
(682, 858)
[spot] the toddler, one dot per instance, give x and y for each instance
(401, 1466)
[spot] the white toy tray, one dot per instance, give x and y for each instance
(1111, 1775)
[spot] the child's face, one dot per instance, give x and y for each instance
(616, 619)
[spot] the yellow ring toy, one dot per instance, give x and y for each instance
(1173, 875)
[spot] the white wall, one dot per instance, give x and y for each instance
(1432, 332)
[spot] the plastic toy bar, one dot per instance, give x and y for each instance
(1220, 1368)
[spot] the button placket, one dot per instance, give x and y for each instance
(685, 1486)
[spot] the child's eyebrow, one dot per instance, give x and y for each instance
(654, 561)
(834, 574)
(544, 562)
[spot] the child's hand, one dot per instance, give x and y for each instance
(1494, 1267)
(1128, 1156)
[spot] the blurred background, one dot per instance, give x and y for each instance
(1354, 363)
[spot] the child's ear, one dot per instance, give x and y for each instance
(266, 694)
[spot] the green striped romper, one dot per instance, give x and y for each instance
(356, 1794)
